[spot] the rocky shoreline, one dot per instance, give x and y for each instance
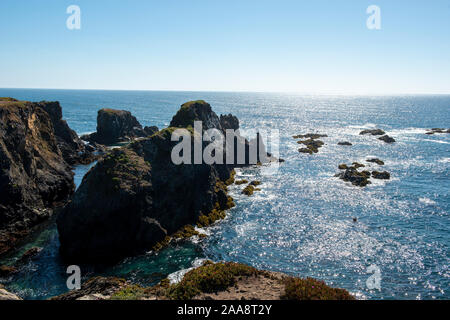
(212, 281)
(133, 200)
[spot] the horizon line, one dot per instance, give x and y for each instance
(323, 93)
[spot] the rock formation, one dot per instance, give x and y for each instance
(117, 126)
(373, 132)
(136, 196)
(387, 139)
(34, 178)
(73, 149)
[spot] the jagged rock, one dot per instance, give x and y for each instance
(103, 286)
(310, 136)
(72, 147)
(357, 178)
(5, 295)
(344, 143)
(136, 196)
(373, 132)
(196, 111)
(29, 254)
(116, 126)
(387, 139)
(34, 178)
(357, 165)
(229, 122)
(342, 166)
(248, 190)
(437, 130)
(6, 271)
(151, 130)
(376, 160)
(311, 144)
(381, 175)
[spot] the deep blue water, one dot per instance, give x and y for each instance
(301, 221)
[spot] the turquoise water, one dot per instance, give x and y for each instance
(301, 221)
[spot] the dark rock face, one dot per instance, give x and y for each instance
(376, 160)
(33, 174)
(116, 126)
(151, 130)
(6, 271)
(437, 130)
(72, 147)
(229, 122)
(381, 175)
(344, 143)
(97, 285)
(132, 199)
(354, 176)
(312, 145)
(387, 139)
(196, 111)
(136, 196)
(373, 132)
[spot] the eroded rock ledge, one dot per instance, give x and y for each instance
(217, 281)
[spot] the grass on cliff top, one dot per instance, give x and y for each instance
(209, 278)
(313, 289)
(8, 99)
(133, 292)
(189, 104)
(215, 277)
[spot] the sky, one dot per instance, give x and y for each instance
(209, 45)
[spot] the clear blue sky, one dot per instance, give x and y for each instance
(288, 46)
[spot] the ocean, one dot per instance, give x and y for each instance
(301, 222)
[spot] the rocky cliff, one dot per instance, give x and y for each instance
(116, 126)
(34, 177)
(73, 149)
(136, 196)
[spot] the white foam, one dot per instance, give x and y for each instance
(427, 201)
(177, 276)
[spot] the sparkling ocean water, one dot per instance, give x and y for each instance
(301, 221)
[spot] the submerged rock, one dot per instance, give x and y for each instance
(344, 143)
(310, 136)
(373, 132)
(387, 139)
(34, 177)
(381, 175)
(6, 271)
(437, 130)
(376, 160)
(29, 254)
(116, 126)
